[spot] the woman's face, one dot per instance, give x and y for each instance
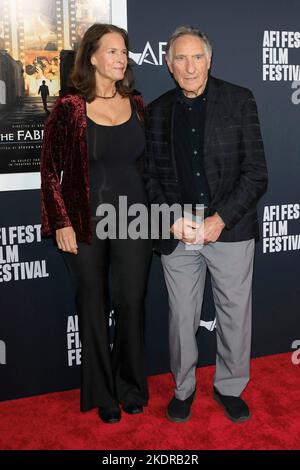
(110, 59)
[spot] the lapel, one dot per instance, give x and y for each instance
(213, 97)
(170, 113)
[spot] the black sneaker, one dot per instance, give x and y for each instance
(179, 411)
(133, 409)
(235, 408)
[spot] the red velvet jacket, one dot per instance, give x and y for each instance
(65, 168)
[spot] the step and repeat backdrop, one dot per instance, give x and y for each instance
(256, 45)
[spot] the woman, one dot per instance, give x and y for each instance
(94, 139)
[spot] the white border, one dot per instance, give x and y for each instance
(24, 181)
(119, 13)
(20, 181)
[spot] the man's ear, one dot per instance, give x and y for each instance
(209, 62)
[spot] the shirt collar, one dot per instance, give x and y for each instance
(181, 98)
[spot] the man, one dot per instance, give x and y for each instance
(204, 147)
(44, 91)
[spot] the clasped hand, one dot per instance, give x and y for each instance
(193, 233)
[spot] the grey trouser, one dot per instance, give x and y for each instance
(231, 269)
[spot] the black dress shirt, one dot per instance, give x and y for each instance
(189, 123)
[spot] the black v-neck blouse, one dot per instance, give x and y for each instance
(113, 154)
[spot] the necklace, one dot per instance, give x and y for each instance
(107, 97)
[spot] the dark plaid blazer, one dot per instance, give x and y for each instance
(234, 161)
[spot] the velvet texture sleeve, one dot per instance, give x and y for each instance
(54, 213)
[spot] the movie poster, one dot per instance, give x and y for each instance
(35, 40)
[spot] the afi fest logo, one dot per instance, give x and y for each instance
(2, 352)
(209, 325)
(296, 93)
(148, 56)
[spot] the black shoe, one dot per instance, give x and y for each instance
(133, 409)
(110, 414)
(235, 408)
(179, 411)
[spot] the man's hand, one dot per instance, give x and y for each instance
(66, 240)
(185, 230)
(210, 230)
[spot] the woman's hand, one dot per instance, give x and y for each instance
(66, 240)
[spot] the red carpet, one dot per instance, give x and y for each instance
(53, 421)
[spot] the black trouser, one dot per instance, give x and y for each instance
(108, 377)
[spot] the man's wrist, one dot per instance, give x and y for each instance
(219, 218)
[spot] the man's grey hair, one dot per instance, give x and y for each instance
(183, 31)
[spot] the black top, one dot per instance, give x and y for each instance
(113, 154)
(189, 124)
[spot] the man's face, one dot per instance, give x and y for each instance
(189, 63)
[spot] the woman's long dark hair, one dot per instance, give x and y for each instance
(83, 75)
